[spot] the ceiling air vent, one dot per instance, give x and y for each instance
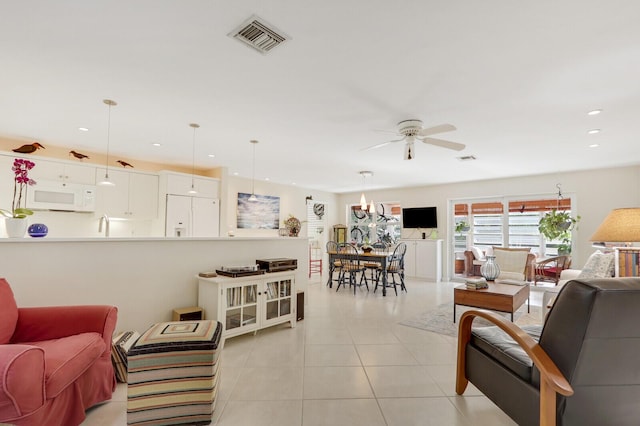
(467, 158)
(260, 35)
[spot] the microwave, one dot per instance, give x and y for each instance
(52, 195)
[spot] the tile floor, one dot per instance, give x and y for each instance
(348, 362)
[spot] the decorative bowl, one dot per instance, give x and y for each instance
(38, 230)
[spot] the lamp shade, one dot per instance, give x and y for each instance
(621, 225)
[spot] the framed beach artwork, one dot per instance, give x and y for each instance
(263, 213)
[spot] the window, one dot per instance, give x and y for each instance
(460, 237)
(382, 225)
(487, 224)
(524, 216)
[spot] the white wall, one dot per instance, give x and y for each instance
(596, 192)
(292, 201)
(146, 278)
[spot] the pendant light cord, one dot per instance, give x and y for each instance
(106, 180)
(193, 158)
(108, 141)
(253, 171)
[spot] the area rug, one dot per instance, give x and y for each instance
(440, 319)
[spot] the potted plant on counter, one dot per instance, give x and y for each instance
(557, 225)
(16, 218)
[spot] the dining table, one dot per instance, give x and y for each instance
(371, 257)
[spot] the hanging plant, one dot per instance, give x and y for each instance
(462, 226)
(557, 225)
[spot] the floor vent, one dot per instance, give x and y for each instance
(467, 158)
(257, 33)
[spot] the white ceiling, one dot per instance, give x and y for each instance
(516, 78)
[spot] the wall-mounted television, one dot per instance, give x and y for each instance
(419, 217)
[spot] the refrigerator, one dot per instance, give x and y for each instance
(192, 216)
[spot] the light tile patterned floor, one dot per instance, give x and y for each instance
(348, 362)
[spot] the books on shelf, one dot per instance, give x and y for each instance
(476, 283)
(628, 262)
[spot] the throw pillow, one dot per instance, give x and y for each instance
(477, 253)
(507, 277)
(599, 265)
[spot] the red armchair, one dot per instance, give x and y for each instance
(55, 362)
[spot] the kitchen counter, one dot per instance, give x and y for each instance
(154, 239)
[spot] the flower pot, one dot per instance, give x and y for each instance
(15, 227)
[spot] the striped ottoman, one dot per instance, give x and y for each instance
(173, 374)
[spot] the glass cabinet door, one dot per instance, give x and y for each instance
(242, 305)
(278, 301)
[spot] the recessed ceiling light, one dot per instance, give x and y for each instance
(156, 144)
(211, 155)
(594, 145)
(594, 112)
(293, 183)
(266, 178)
(236, 173)
(83, 129)
(593, 131)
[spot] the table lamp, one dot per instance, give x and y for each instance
(620, 226)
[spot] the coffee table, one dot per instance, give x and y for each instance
(498, 297)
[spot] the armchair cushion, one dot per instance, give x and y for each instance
(67, 358)
(477, 253)
(505, 350)
(8, 313)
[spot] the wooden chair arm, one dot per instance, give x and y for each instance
(552, 380)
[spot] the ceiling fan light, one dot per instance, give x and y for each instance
(409, 153)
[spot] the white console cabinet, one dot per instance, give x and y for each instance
(423, 259)
(249, 303)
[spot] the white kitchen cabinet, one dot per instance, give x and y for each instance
(134, 195)
(423, 259)
(180, 184)
(63, 172)
(249, 303)
(192, 216)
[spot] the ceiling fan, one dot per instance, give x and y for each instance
(412, 130)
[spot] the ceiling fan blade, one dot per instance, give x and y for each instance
(380, 145)
(437, 129)
(444, 144)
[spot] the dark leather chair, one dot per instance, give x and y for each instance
(579, 368)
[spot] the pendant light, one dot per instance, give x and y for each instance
(253, 173)
(106, 181)
(193, 157)
(363, 200)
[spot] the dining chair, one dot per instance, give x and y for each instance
(374, 268)
(336, 265)
(395, 267)
(351, 265)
